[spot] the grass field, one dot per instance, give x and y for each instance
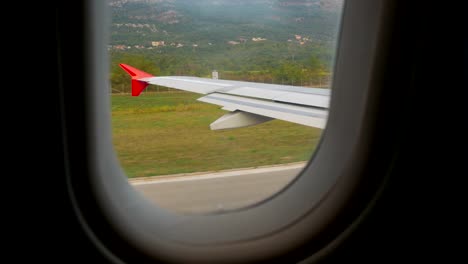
(168, 133)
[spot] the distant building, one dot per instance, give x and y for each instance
(158, 44)
(233, 42)
(258, 39)
(120, 47)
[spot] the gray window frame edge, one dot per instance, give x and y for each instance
(308, 213)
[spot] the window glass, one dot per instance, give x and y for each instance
(166, 139)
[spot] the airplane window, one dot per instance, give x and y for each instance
(207, 111)
(218, 105)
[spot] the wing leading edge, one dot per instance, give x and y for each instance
(248, 103)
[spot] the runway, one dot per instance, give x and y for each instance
(216, 191)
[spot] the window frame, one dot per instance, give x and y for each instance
(303, 219)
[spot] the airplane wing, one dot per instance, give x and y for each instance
(249, 103)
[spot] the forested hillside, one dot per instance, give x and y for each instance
(280, 41)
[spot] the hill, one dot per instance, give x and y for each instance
(257, 40)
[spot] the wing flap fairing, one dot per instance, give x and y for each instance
(237, 119)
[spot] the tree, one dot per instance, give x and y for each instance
(288, 73)
(317, 71)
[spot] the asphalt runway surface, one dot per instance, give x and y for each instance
(216, 191)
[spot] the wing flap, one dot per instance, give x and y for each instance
(315, 100)
(285, 96)
(298, 114)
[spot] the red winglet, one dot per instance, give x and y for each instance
(137, 85)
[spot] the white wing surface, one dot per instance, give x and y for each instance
(249, 103)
